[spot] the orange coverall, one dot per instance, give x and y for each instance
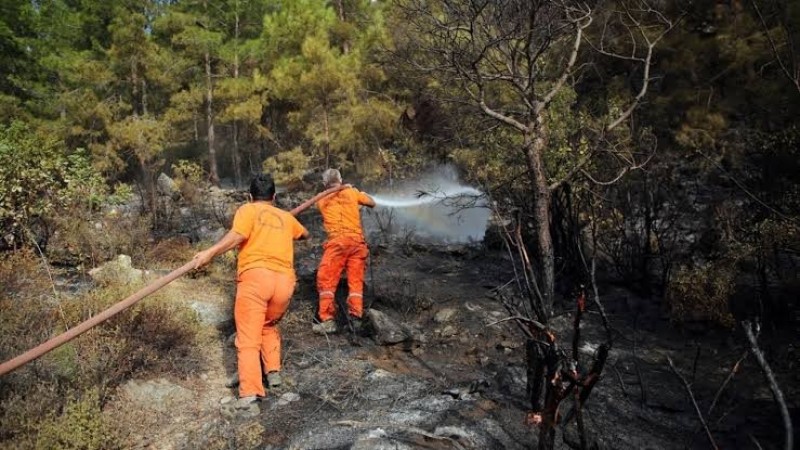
(265, 283)
(345, 247)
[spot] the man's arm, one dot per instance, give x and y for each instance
(366, 200)
(231, 240)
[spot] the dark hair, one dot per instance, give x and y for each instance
(262, 187)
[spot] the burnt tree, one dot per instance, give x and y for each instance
(510, 59)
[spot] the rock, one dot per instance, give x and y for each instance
(211, 235)
(230, 411)
(384, 330)
(226, 400)
(210, 313)
(459, 434)
(445, 315)
(379, 374)
(490, 317)
(449, 331)
(287, 398)
(117, 271)
(166, 185)
(159, 394)
(378, 443)
(508, 344)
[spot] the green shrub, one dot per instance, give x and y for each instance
(37, 177)
(80, 426)
(190, 179)
(287, 167)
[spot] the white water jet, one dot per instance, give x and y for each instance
(427, 198)
(436, 207)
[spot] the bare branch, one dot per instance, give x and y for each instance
(794, 78)
(773, 383)
(646, 63)
(580, 24)
(694, 403)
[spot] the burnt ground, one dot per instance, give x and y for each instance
(460, 383)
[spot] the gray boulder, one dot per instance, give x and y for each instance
(445, 315)
(117, 271)
(384, 330)
(166, 185)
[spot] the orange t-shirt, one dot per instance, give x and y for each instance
(269, 233)
(341, 215)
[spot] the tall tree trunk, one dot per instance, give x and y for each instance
(212, 151)
(134, 88)
(237, 170)
(327, 136)
(144, 97)
(535, 140)
(340, 10)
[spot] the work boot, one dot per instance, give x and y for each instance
(274, 379)
(326, 327)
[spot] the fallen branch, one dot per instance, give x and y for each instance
(728, 379)
(694, 403)
(773, 384)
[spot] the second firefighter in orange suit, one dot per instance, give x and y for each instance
(344, 249)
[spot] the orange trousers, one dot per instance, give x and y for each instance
(262, 297)
(339, 253)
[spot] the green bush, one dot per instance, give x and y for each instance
(287, 167)
(80, 426)
(37, 176)
(190, 179)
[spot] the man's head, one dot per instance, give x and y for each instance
(262, 187)
(331, 177)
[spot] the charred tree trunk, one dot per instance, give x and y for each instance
(536, 365)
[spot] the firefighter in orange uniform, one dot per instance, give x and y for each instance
(264, 236)
(345, 248)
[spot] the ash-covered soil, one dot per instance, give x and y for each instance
(458, 380)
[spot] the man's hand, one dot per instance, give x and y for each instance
(202, 258)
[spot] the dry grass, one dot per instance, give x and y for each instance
(702, 294)
(154, 337)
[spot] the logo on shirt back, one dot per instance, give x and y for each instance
(270, 219)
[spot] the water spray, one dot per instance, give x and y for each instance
(436, 207)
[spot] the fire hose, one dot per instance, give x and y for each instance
(115, 309)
